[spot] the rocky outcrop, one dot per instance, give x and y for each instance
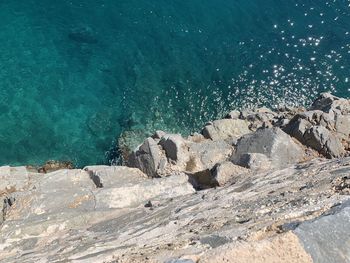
(298, 214)
(171, 153)
(254, 187)
(325, 127)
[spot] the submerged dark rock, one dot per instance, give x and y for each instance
(83, 35)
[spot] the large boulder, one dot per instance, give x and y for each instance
(278, 146)
(325, 142)
(206, 154)
(226, 128)
(329, 103)
(104, 176)
(146, 157)
(176, 148)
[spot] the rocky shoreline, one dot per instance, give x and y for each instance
(257, 186)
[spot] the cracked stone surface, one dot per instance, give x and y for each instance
(60, 217)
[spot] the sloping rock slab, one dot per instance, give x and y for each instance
(327, 239)
(260, 207)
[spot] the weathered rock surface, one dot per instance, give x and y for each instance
(227, 172)
(272, 142)
(254, 161)
(326, 238)
(147, 157)
(172, 153)
(279, 216)
(250, 188)
(325, 127)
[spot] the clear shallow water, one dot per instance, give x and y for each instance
(75, 74)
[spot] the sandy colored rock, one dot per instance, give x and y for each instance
(227, 172)
(285, 248)
(226, 128)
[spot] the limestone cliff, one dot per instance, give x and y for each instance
(258, 186)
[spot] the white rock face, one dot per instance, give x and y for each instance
(132, 218)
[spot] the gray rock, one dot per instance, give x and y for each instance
(272, 142)
(89, 224)
(297, 128)
(126, 187)
(206, 154)
(317, 130)
(76, 191)
(322, 140)
(173, 153)
(254, 161)
(227, 172)
(175, 148)
(342, 126)
(233, 115)
(55, 192)
(327, 239)
(146, 157)
(226, 128)
(280, 122)
(329, 103)
(260, 117)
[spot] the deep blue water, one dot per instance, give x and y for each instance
(75, 74)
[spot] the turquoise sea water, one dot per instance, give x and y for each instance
(75, 74)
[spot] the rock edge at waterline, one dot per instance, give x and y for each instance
(257, 186)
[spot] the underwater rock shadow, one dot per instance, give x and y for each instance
(83, 35)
